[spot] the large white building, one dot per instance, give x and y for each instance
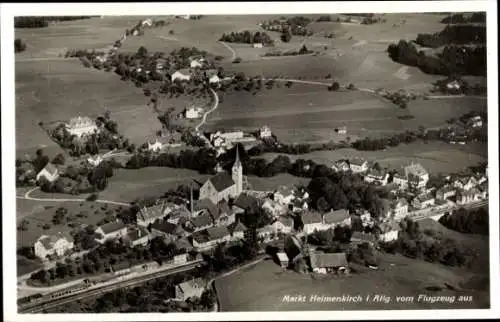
(80, 126)
(193, 112)
(56, 245)
(417, 175)
(265, 132)
(49, 172)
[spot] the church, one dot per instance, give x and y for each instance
(223, 186)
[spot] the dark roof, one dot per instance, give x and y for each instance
(286, 221)
(320, 260)
(201, 220)
(137, 233)
(221, 181)
(245, 201)
(336, 216)
(311, 218)
(112, 227)
(209, 234)
(165, 227)
(358, 162)
(205, 204)
(183, 243)
(153, 212)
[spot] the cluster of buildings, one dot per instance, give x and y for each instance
(81, 126)
(228, 139)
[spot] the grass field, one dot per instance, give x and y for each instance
(262, 287)
(94, 213)
(436, 157)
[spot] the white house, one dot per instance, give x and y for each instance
(389, 231)
(54, 245)
(155, 146)
(358, 165)
(340, 166)
(465, 183)
(193, 112)
(312, 221)
(195, 63)
(468, 196)
(112, 230)
(213, 79)
(273, 208)
(228, 136)
(283, 225)
(400, 208)
(423, 201)
(453, 85)
(475, 121)
(257, 45)
(95, 161)
(417, 175)
(80, 126)
(380, 177)
(342, 130)
(189, 289)
(137, 236)
(147, 22)
(265, 132)
(284, 195)
(178, 75)
(400, 179)
(49, 172)
(148, 215)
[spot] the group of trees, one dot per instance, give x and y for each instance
(454, 34)
(40, 22)
(368, 144)
(459, 18)
(463, 88)
(453, 60)
(331, 237)
(19, 45)
(429, 245)
(302, 51)
(247, 37)
(469, 221)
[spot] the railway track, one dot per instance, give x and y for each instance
(95, 292)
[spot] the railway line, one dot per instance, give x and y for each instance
(93, 291)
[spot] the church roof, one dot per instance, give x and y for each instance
(221, 181)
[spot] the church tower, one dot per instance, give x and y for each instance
(237, 173)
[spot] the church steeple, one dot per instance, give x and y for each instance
(237, 173)
(237, 162)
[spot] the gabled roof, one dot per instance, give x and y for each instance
(358, 162)
(286, 221)
(376, 173)
(201, 220)
(192, 287)
(165, 227)
(48, 242)
(50, 168)
(217, 232)
(205, 204)
(321, 260)
(311, 218)
(221, 181)
(112, 227)
(137, 233)
(416, 169)
(424, 197)
(245, 201)
(152, 213)
(336, 216)
(285, 191)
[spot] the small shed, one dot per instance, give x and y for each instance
(283, 259)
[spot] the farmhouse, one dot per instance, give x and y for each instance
(468, 196)
(283, 195)
(168, 231)
(266, 233)
(400, 179)
(54, 245)
(155, 146)
(358, 165)
(223, 215)
(283, 259)
(417, 175)
(423, 201)
(180, 76)
(340, 166)
(312, 222)
(265, 132)
(338, 217)
(379, 176)
(190, 289)
(80, 126)
(209, 238)
(196, 63)
(257, 45)
(49, 172)
(445, 192)
(389, 231)
(228, 136)
(324, 263)
(193, 112)
(148, 215)
(112, 230)
(400, 208)
(137, 236)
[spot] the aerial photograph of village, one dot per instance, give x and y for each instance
(239, 163)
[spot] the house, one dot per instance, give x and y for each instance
(81, 126)
(112, 230)
(210, 237)
(180, 76)
(283, 195)
(483, 190)
(465, 183)
(366, 218)
(379, 176)
(358, 165)
(282, 259)
(266, 233)
(323, 263)
(180, 259)
(49, 172)
(243, 202)
(342, 130)
(155, 146)
(417, 175)
(224, 186)
(169, 231)
(178, 216)
(400, 208)
(480, 179)
(360, 237)
(445, 192)
(340, 166)
(196, 63)
(257, 45)
(468, 196)
(193, 112)
(475, 121)
(189, 289)
(237, 230)
(219, 141)
(423, 201)
(273, 208)
(338, 217)
(283, 225)
(228, 136)
(298, 205)
(213, 79)
(94, 161)
(148, 215)
(223, 215)
(53, 245)
(265, 132)
(312, 221)
(389, 231)
(400, 179)
(200, 222)
(453, 85)
(137, 236)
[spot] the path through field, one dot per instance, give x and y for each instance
(233, 53)
(204, 118)
(28, 197)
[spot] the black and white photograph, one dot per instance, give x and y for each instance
(225, 160)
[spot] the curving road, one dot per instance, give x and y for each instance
(28, 197)
(233, 53)
(204, 118)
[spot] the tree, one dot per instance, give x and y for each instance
(286, 36)
(303, 50)
(142, 52)
(59, 159)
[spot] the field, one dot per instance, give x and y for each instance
(273, 183)
(436, 157)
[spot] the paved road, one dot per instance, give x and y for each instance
(28, 197)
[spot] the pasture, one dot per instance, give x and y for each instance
(263, 286)
(436, 157)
